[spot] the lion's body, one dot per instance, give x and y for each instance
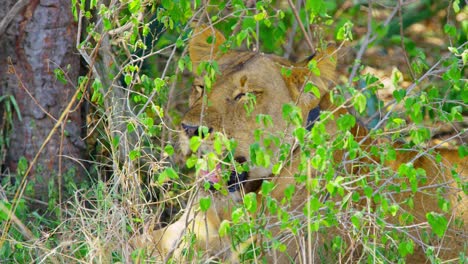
(223, 111)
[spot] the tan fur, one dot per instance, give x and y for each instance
(243, 72)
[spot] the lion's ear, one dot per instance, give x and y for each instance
(326, 63)
(204, 45)
(321, 73)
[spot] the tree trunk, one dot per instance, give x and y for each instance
(39, 40)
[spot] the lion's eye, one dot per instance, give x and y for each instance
(239, 96)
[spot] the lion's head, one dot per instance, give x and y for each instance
(266, 82)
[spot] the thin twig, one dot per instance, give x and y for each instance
(292, 34)
(12, 70)
(257, 32)
(301, 25)
(366, 42)
(402, 40)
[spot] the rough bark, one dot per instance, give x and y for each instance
(40, 39)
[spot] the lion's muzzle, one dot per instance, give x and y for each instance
(191, 130)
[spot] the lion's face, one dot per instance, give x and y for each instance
(244, 76)
(224, 107)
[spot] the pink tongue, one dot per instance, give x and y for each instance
(213, 176)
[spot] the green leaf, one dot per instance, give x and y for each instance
(171, 173)
(286, 72)
(300, 133)
(438, 223)
(346, 122)
(181, 64)
(241, 36)
(289, 191)
(169, 150)
(195, 143)
(191, 162)
(406, 247)
(338, 243)
(146, 30)
(250, 103)
(345, 32)
(277, 168)
(397, 77)
(224, 228)
(116, 141)
(134, 6)
(22, 166)
(394, 209)
(360, 102)
(456, 6)
(148, 122)
(413, 107)
(292, 113)
(4, 213)
(162, 177)
(134, 154)
(107, 24)
(74, 10)
(316, 7)
(266, 120)
(250, 202)
(218, 145)
(237, 215)
(168, 173)
(463, 151)
(453, 50)
(130, 127)
(399, 95)
(60, 75)
(259, 16)
(464, 56)
(128, 79)
(92, 4)
(179, 44)
(312, 205)
(313, 68)
(258, 156)
(267, 187)
(210, 40)
(356, 219)
(311, 88)
(335, 186)
(420, 135)
(454, 73)
(159, 83)
(205, 203)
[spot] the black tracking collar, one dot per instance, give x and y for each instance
(314, 116)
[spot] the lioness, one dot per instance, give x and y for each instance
(221, 109)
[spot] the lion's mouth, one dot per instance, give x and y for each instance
(235, 181)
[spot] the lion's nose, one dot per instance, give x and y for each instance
(191, 131)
